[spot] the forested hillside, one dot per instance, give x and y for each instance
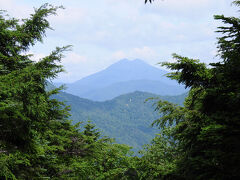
(126, 118)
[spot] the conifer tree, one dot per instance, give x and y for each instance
(207, 128)
(27, 113)
(37, 140)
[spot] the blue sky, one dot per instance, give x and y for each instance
(105, 31)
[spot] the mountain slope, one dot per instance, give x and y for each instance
(126, 118)
(125, 72)
(116, 89)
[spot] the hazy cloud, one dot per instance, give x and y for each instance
(105, 31)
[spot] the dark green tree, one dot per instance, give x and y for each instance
(207, 128)
(36, 138)
(27, 113)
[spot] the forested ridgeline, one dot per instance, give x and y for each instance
(126, 118)
(199, 140)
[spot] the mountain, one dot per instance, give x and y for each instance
(125, 76)
(116, 89)
(126, 118)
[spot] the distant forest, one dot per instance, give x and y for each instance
(126, 118)
(199, 140)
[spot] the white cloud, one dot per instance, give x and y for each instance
(143, 53)
(73, 58)
(105, 31)
(188, 9)
(68, 16)
(14, 9)
(118, 55)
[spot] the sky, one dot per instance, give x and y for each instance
(104, 31)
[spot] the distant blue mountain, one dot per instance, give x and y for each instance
(125, 76)
(116, 89)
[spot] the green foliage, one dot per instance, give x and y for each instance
(37, 141)
(204, 134)
(159, 158)
(126, 118)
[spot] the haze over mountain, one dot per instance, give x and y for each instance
(127, 118)
(125, 76)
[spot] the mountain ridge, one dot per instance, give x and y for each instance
(127, 118)
(116, 89)
(124, 72)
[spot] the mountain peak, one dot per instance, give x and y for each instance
(132, 61)
(129, 64)
(123, 61)
(127, 61)
(122, 77)
(138, 60)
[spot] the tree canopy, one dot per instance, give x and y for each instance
(37, 140)
(205, 132)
